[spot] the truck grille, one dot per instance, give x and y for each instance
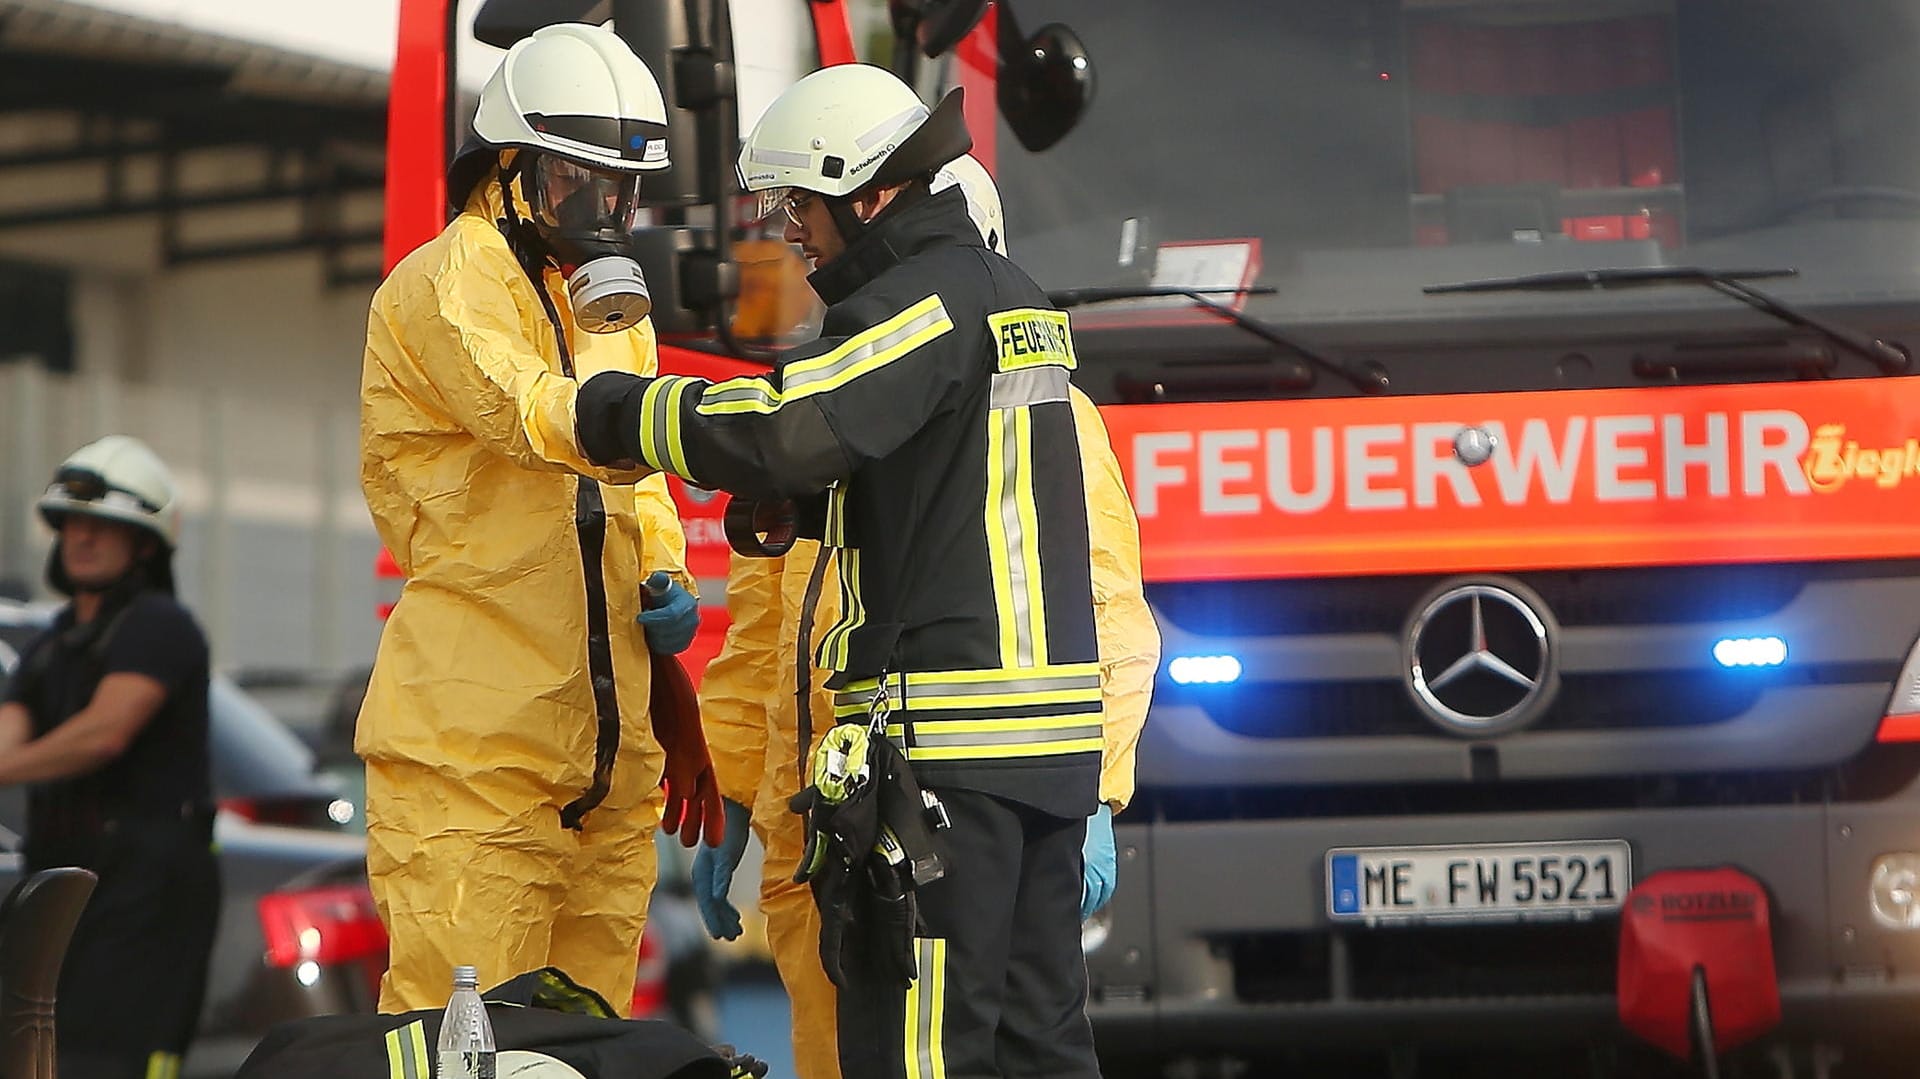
(1286, 611)
(1375, 709)
(1452, 962)
(1657, 596)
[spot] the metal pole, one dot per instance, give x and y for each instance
(216, 553)
(26, 386)
(327, 547)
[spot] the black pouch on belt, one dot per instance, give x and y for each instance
(865, 856)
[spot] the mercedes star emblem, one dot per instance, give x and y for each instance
(1479, 657)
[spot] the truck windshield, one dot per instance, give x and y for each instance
(1349, 152)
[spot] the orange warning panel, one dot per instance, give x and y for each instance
(1557, 479)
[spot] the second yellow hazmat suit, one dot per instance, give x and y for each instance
(479, 724)
(749, 706)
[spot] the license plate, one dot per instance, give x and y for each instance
(1577, 878)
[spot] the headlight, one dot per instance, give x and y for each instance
(1896, 879)
(1095, 930)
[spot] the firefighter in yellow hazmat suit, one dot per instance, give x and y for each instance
(513, 776)
(763, 722)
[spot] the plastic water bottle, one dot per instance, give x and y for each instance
(466, 1037)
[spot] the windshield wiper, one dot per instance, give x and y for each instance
(1890, 359)
(1075, 297)
(1367, 379)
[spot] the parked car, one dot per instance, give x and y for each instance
(298, 933)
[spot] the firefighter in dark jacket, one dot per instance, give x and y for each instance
(934, 414)
(106, 720)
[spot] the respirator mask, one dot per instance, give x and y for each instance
(587, 217)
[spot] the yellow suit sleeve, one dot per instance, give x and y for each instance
(738, 682)
(663, 540)
(461, 337)
(1129, 639)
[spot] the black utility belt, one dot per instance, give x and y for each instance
(69, 823)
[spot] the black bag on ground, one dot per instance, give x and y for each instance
(543, 1011)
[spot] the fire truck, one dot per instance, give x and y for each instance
(1517, 402)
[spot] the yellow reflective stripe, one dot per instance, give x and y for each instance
(397, 1057)
(1029, 749)
(967, 726)
(676, 462)
(930, 703)
(861, 354)
(925, 1020)
(660, 424)
(1000, 674)
(1066, 682)
(748, 393)
(867, 351)
(937, 1034)
(910, 1042)
(873, 363)
(407, 1052)
(999, 560)
(834, 646)
(163, 1065)
(1032, 337)
(836, 527)
(417, 1032)
(1029, 553)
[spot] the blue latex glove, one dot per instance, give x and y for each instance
(713, 875)
(1102, 869)
(671, 615)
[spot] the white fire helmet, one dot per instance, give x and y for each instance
(579, 92)
(844, 128)
(117, 479)
(983, 198)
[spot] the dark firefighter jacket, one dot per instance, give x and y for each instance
(933, 413)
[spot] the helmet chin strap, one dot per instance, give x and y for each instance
(845, 219)
(529, 246)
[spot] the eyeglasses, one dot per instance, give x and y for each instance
(791, 207)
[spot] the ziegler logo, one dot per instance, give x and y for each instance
(1833, 460)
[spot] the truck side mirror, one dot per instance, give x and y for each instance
(501, 23)
(1046, 82)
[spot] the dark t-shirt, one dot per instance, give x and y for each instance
(164, 773)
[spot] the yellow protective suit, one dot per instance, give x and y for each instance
(479, 723)
(748, 705)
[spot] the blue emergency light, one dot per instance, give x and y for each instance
(1750, 651)
(1204, 670)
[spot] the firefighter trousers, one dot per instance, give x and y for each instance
(1001, 991)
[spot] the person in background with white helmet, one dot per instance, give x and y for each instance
(106, 721)
(756, 735)
(929, 439)
(513, 776)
